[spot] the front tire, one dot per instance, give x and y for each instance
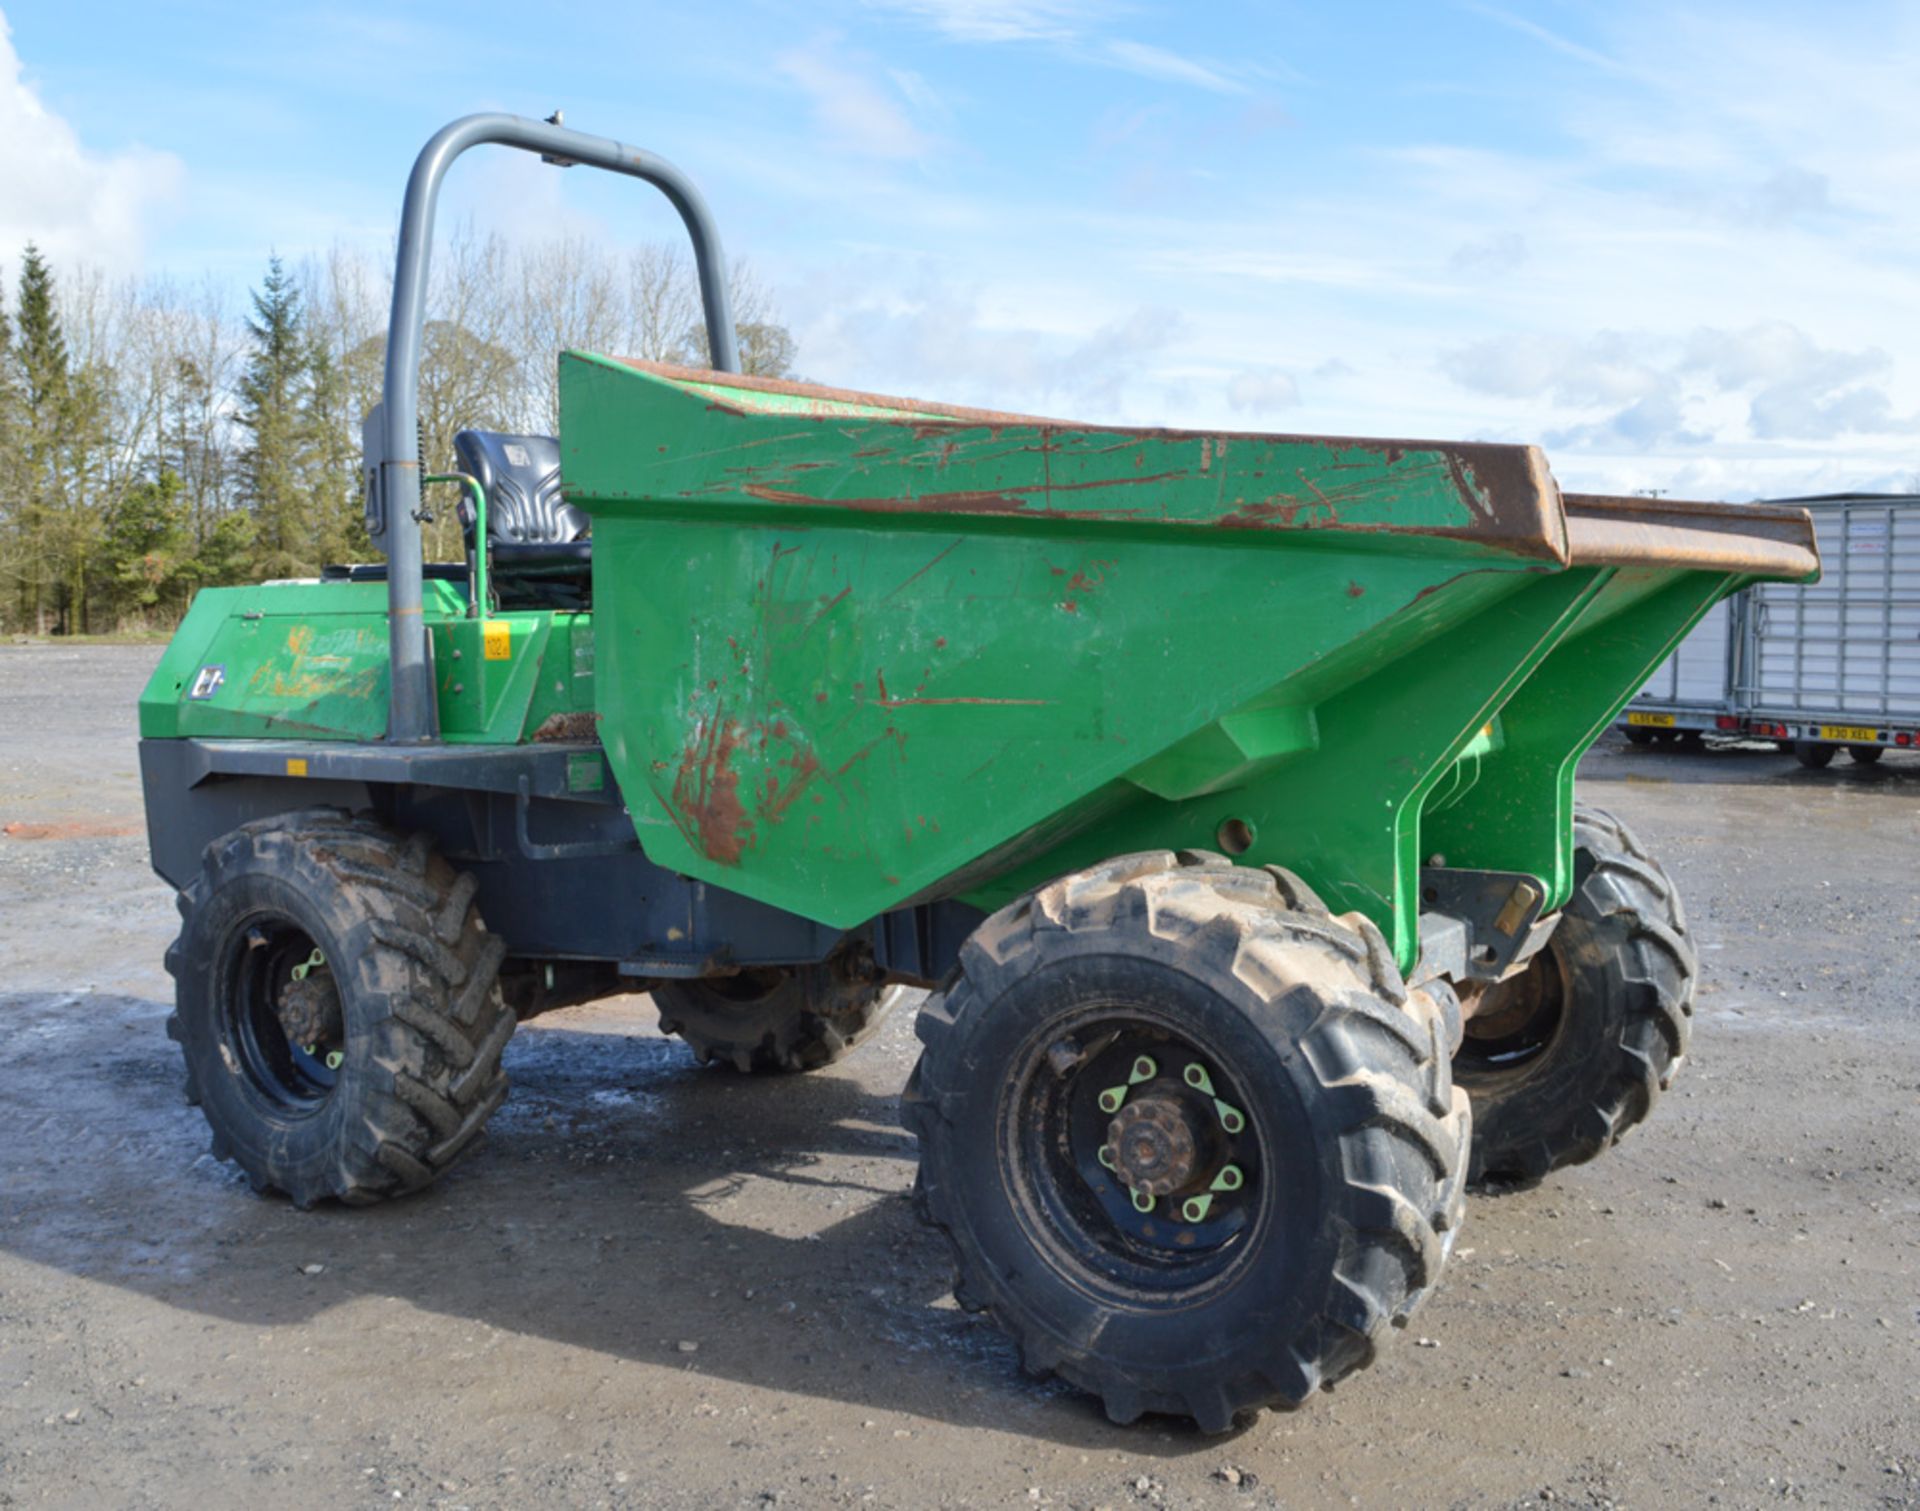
(338, 1008)
(1564, 1058)
(1194, 1144)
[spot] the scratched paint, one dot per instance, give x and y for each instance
(706, 792)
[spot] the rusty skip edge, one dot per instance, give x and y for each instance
(1519, 507)
(1509, 488)
(1754, 540)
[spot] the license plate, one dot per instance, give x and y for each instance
(1654, 721)
(1851, 733)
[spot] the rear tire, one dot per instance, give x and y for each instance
(1207, 989)
(1865, 755)
(1812, 754)
(1636, 735)
(337, 1006)
(778, 1019)
(1577, 1049)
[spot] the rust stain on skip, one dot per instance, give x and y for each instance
(706, 792)
(976, 501)
(773, 807)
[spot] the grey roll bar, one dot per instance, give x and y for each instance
(393, 461)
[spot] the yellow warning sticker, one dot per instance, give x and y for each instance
(296, 765)
(496, 640)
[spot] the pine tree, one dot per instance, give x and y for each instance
(147, 548)
(277, 410)
(41, 374)
(12, 474)
(43, 345)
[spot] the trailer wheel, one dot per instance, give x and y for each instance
(788, 1018)
(1812, 754)
(1195, 1146)
(337, 1006)
(1638, 735)
(1865, 755)
(1564, 1058)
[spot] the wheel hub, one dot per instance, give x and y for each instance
(1153, 1143)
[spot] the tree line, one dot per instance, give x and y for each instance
(154, 441)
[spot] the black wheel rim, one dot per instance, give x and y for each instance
(1155, 1222)
(260, 960)
(1515, 1023)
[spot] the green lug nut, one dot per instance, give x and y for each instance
(1106, 1156)
(302, 970)
(1197, 1077)
(1229, 1179)
(1194, 1209)
(335, 1059)
(1230, 1117)
(1114, 1096)
(1142, 1201)
(311, 1051)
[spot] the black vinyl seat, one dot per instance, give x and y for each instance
(532, 532)
(521, 474)
(538, 551)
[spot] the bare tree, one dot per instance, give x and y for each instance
(119, 498)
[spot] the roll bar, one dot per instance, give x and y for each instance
(392, 462)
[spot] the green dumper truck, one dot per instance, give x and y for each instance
(1218, 787)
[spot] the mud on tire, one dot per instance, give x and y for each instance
(774, 1020)
(1353, 1146)
(399, 1007)
(1580, 1047)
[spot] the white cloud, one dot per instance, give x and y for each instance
(1159, 63)
(76, 204)
(1775, 352)
(1072, 28)
(854, 108)
(940, 338)
(1261, 390)
(1501, 252)
(1607, 368)
(1788, 194)
(999, 20)
(1550, 39)
(1768, 382)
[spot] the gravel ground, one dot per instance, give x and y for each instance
(657, 1285)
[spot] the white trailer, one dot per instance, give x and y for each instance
(1836, 664)
(1821, 666)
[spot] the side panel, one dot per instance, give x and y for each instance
(842, 720)
(309, 661)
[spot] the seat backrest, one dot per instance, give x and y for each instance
(521, 474)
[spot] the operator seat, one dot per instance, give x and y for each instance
(538, 553)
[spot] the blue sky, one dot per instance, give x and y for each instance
(1676, 243)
